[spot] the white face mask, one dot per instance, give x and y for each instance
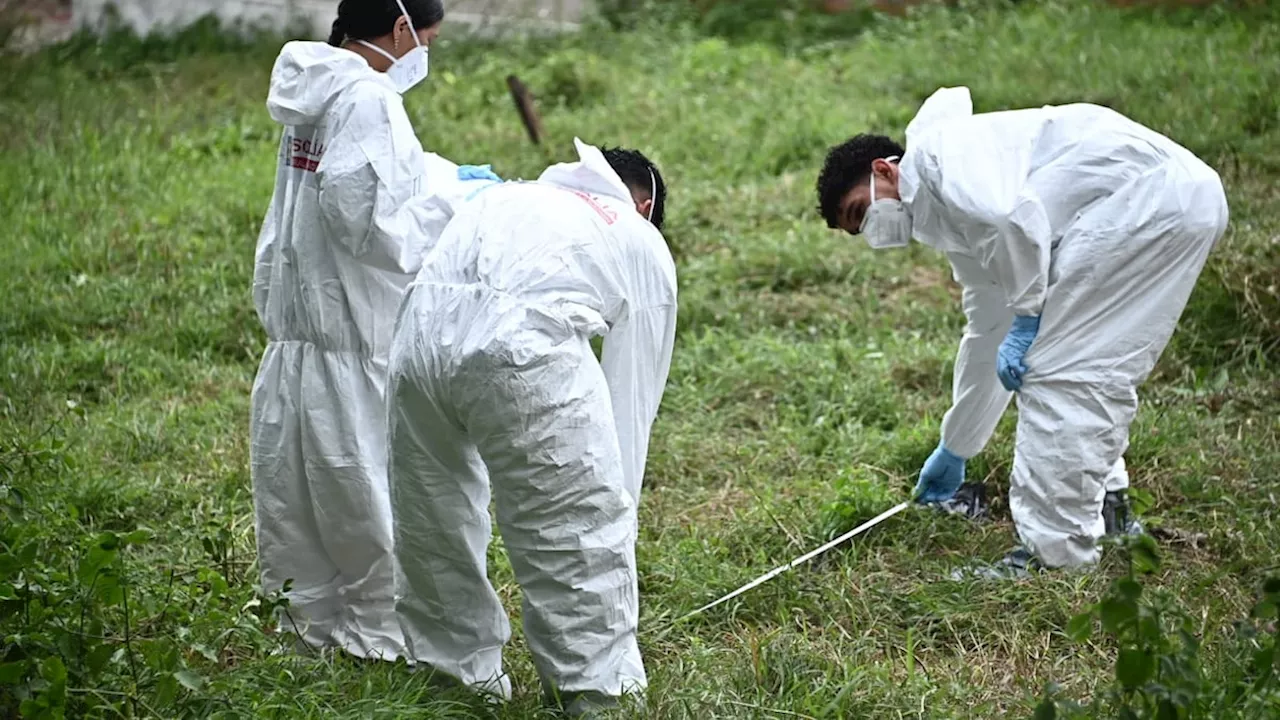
(887, 223)
(409, 70)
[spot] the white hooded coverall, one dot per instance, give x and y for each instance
(349, 220)
(493, 385)
(1100, 226)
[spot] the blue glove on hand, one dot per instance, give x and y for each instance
(1009, 365)
(941, 476)
(477, 172)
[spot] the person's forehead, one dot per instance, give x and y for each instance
(856, 193)
(852, 201)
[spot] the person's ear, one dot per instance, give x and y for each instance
(644, 207)
(885, 169)
(400, 33)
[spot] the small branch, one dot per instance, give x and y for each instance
(293, 624)
(528, 112)
(795, 541)
(168, 597)
(84, 608)
(128, 644)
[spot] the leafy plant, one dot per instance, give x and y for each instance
(91, 626)
(1160, 668)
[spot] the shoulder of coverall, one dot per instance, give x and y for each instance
(370, 97)
(369, 111)
(318, 70)
(918, 170)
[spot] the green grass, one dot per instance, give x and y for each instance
(809, 376)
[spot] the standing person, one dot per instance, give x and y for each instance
(493, 384)
(338, 245)
(1078, 236)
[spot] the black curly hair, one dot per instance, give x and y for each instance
(641, 176)
(846, 166)
(368, 19)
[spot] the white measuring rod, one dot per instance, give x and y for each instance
(803, 558)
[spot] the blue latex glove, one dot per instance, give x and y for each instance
(941, 476)
(1009, 365)
(477, 172)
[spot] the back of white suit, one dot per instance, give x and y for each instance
(493, 383)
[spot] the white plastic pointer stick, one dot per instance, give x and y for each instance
(803, 558)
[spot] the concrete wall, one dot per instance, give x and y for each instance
(483, 16)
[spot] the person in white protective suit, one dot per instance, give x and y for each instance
(1077, 235)
(494, 387)
(355, 205)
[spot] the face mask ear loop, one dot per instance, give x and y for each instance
(872, 180)
(653, 193)
(412, 31)
(378, 50)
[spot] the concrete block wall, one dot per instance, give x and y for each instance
(482, 16)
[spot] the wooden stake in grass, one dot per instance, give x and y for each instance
(528, 112)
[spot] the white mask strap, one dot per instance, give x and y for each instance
(872, 181)
(412, 30)
(653, 193)
(378, 50)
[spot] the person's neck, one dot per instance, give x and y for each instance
(375, 59)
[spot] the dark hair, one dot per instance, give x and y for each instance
(368, 19)
(847, 165)
(634, 169)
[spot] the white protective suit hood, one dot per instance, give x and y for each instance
(309, 75)
(592, 174)
(942, 107)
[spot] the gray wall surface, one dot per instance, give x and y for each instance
(482, 16)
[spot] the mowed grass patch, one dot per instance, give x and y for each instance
(809, 378)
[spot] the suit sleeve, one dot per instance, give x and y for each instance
(264, 257)
(372, 194)
(636, 360)
(978, 399)
(984, 186)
